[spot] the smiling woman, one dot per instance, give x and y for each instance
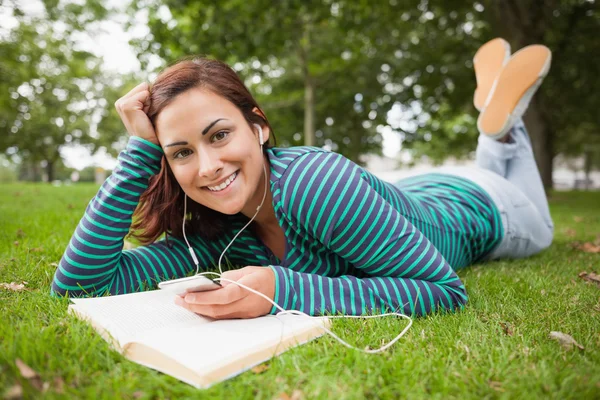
(325, 235)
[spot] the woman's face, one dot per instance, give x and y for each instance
(213, 152)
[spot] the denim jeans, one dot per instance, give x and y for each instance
(509, 174)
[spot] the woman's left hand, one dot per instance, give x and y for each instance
(233, 301)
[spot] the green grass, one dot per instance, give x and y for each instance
(464, 355)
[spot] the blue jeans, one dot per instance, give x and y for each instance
(509, 174)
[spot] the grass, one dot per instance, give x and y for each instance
(498, 347)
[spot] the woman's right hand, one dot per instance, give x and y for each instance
(133, 108)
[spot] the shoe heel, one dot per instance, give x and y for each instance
(513, 90)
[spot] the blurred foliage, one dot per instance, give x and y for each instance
(404, 66)
(8, 171)
(366, 57)
(563, 117)
(51, 93)
(282, 48)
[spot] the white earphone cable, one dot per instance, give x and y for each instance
(281, 309)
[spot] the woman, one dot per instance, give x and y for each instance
(329, 236)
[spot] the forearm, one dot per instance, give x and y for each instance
(93, 261)
(316, 295)
(395, 266)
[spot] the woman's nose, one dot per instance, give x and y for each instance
(209, 164)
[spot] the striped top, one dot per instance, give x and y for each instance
(354, 244)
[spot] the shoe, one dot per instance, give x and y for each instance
(513, 89)
(488, 62)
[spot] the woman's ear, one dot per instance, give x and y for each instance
(265, 127)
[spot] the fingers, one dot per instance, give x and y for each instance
(139, 88)
(139, 100)
(133, 101)
(225, 295)
(237, 309)
(233, 275)
(133, 108)
(233, 301)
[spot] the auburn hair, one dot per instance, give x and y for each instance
(161, 205)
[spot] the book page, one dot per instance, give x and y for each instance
(129, 316)
(210, 347)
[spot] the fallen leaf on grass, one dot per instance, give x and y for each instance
(28, 373)
(587, 247)
(259, 369)
(507, 328)
(590, 277)
(36, 249)
(570, 232)
(59, 385)
(70, 206)
(16, 242)
(138, 394)
(15, 392)
(20, 233)
(565, 340)
(14, 286)
(497, 386)
(577, 219)
(296, 395)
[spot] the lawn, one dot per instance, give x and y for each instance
(498, 347)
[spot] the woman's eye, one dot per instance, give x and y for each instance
(181, 154)
(219, 136)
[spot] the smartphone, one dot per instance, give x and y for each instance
(196, 283)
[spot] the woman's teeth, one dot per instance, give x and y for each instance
(224, 184)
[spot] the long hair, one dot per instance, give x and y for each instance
(161, 205)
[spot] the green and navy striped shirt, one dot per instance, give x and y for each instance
(354, 243)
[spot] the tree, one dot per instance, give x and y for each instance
(562, 117)
(569, 99)
(317, 67)
(338, 68)
(50, 94)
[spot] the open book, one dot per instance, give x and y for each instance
(149, 329)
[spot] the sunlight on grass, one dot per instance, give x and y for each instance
(497, 347)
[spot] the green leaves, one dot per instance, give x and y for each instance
(51, 94)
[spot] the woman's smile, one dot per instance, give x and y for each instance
(224, 187)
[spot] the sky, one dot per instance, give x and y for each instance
(111, 43)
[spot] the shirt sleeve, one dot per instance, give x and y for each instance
(397, 267)
(94, 262)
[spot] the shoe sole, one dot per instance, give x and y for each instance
(487, 63)
(514, 88)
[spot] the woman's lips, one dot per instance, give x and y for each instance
(236, 173)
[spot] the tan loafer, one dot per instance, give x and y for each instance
(488, 62)
(513, 89)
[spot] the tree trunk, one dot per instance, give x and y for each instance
(50, 171)
(522, 23)
(309, 90)
(541, 141)
(309, 114)
(587, 167)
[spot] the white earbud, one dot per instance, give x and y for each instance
(260, 134)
